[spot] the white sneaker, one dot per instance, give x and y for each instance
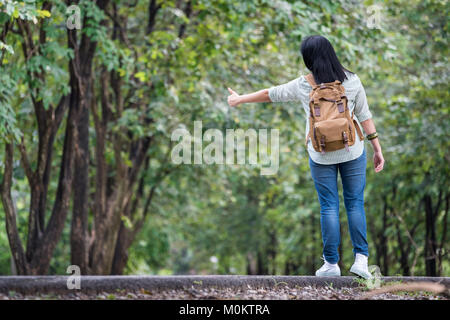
(328, 270)
(360, 267)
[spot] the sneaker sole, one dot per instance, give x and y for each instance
(361, 274)
(329, 275)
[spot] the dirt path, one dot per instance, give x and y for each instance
(278, 293)
(209, 287)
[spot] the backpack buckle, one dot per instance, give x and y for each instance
(316, 110)
(322, 144)
(340, 106)
(345, 139)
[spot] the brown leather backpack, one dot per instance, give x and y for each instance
(331, 127)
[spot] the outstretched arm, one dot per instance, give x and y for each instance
(259, 96)
(286, 92)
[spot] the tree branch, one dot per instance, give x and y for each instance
(26, 163)
(187, 11)
(153, 9)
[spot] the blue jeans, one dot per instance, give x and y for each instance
(353, 176)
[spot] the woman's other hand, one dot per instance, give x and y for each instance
(378, 161)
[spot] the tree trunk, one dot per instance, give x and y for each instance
(341, 250)
(384, 240)
(251, 264)
(15, 243)
(313, 241)
(41, 239)
(430, 238)
(81, 91)
(403, 253)
(443, 234)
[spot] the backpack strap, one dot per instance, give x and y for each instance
(310, 79)
(312, 83)
(357, 127)
(358, 130)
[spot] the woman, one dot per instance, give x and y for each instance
(320, 58)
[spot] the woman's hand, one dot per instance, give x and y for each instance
(259, 96)
(378, 161)
(233, 98)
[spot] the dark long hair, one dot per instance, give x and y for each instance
(320, 58)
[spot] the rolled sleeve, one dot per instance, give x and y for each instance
(362, 111)
(286, 92)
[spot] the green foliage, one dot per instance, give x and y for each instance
(201, 213)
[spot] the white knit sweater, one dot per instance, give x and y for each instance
(299, 89)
